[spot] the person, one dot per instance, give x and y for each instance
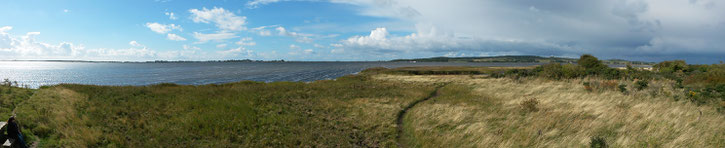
(15, 133)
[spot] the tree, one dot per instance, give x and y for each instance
(591, 64)
(670, 66)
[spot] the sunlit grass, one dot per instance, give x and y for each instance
(490, 115)
(361, 111)
(350, 111)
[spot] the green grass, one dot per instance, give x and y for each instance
(353, 111)
(472, 110)
(10, 97)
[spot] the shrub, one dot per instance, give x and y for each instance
(610, 73)
(591, 64)
(670, 66)
(641, 84)
(598, 142)
(573, 71)
(623, 88)
(530, 105)
(552, 71)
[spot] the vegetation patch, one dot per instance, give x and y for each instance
(352, 111)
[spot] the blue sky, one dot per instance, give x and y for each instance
(137, 30)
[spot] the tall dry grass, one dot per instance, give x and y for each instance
(568, 116)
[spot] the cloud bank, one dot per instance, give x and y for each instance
(633, 29)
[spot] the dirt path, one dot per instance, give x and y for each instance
(399, 122)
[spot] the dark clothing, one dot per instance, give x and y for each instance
(12, 130)
(14, 133)
(19, 142)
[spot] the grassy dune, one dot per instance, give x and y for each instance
(11, 96)
(469, 110)
(350, 111)
(568, 115)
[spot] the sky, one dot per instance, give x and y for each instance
(360, 30)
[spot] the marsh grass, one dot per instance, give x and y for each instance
(473, 110)
(352, 111)
(11, 95)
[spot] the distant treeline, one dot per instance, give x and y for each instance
(519, 59)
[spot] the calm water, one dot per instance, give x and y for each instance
(36, 74)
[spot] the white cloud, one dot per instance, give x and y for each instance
(134, 43)
(256, 3)
(221, 46)
(309, 51)
(262, 31)
(336, 45)
(608, 28)
(220, 36)
(299, 37)
(247, 41)
(236, 52)
(171, 15)
(293, 46)
(26, 47)
(4, 29)
(175, 37)
(319, 46)
(187, 47)
(337, 51)
(265, 33)
(223, 19)
(433, 42)
(162, 28)
(66, 10)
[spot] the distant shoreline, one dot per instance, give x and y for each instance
(490, 59)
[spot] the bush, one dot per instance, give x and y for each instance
(641, 84)
(623, 88)
(530, 105)
(670, 66)
(591, 64)
(551, 71)
(573, 71)
(598, 142)
(610, 73)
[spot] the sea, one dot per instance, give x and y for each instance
(34, 74)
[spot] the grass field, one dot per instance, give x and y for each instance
(489, 113)
(347, 112)
(468, 109)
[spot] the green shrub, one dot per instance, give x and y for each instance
(610, 73)
(670, 66)
(623, 88)
(641, 84)
(573, 71)
(551, 71)
(598, 142)
(591, 64)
